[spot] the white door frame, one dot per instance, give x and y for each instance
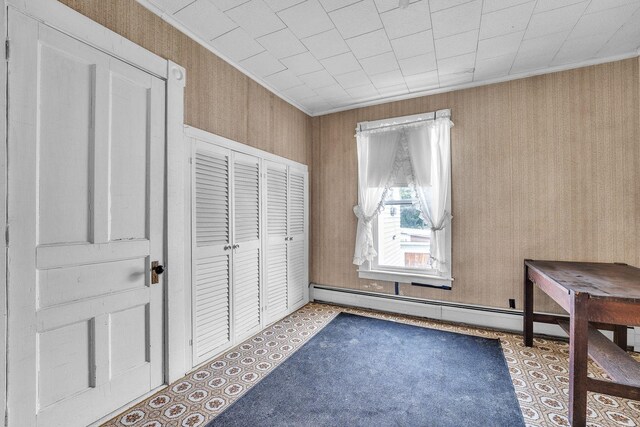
(62, 18)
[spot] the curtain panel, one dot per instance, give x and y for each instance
(419, 154)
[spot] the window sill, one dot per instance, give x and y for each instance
(392, 276)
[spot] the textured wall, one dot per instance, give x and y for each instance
(219, 98)
(545, 167)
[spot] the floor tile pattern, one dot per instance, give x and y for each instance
(539, 375)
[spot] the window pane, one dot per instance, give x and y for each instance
(403, 238)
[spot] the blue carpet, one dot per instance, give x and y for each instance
(360, 371)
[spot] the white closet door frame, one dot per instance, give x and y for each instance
(195, 136)
(62, 18)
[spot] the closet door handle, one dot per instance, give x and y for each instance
(290, 238)
(236, 246)
(227, 247)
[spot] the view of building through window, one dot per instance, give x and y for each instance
(403, 237)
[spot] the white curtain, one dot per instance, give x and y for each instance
(429, 152)
(376, 159)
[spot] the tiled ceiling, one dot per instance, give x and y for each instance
(329, 55)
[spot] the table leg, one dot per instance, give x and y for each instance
(620, 336)
(578, 345)
(528, 309)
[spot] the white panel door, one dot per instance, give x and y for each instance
(211, 249)
(86, 150)
(276, 262)
(297, 259)
(246, 245)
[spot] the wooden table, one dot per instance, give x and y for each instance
(596, 296)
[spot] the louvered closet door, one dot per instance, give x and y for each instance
(276, 289)
(297, 260)
(247, 245)
(211, 308)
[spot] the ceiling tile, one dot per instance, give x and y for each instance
(306, 19)
(402, 22)
(171, 6)
(282, 43)
(413, 45)
(546, 5)
(396, 90)
(353, 79)
(386, 5)
(599, 5)
(237, 45)
(380, 63)
(370, 44)
(554, 21)
(418, 64)
(204, 19)
(283, 80)
(341, 64)
(458, 44)
(318, 79)
(224, 5)
(302, 63)
(524, 64)
(603, 22)
(579, 49)
(457, 64)
(498, 46)
(299, 92)
(459, 19)
(367, 91)
(437, 5)
(324, 45)
(330, 5)
(506, 21)
(455, 79)
(625, 40)
(493, 67)
(390, 78)
(256, 18)
(542, 46)
(493, 5)
(278, 5)
(262, 64)
(334, 91)
(356, 19)
(422, 81)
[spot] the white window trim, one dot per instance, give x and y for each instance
(366, 270)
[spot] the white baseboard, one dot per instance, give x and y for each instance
(508, 320)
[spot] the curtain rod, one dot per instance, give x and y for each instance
(396, 121)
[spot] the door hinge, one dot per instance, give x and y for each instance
(191, 343)
(6, 49)
(6, 236)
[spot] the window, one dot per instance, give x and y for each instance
(401, 237)
(404, 200)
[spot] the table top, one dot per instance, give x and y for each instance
(599, 280)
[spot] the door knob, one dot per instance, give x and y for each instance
(156, 270)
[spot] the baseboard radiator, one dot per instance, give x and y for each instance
(487, 317)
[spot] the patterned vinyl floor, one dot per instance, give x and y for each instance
(539, 375)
